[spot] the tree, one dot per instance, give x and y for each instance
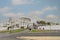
(48, 23)
(57, 23)
(41, 22)
(38, 22)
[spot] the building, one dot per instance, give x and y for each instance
(24, 22)
(12, 24)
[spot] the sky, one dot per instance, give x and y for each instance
(48, 10)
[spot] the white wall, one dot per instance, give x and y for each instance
(53, 27)
(3, 28)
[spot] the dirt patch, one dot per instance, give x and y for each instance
(39, 38)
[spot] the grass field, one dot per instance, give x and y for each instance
(42, 30)
(12, 31)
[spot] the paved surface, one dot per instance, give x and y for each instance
(9, 36)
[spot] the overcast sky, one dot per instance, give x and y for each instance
(48, 10)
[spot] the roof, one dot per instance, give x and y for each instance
(25, 18)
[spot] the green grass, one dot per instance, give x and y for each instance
(4, 31)
(41, 30)
(15, 31)
(12, 31)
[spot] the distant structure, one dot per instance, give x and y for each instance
(22, 22)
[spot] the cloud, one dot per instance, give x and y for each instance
(13, 14)
(49, 8)
(35, 15)
(9, 14)
(39, 12)
(52, 16)
(19, 2)
(4, 9)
